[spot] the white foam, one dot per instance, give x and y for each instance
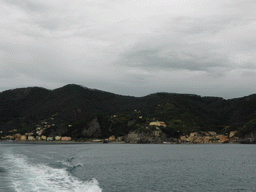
(27, 177)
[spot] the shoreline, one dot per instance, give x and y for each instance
(58, 142)
(91, 142)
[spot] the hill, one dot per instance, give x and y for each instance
(25, 108)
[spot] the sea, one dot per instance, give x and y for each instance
(26, 167)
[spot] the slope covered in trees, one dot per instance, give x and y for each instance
(24, 108)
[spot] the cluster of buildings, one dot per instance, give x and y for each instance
(152, 135)
(31, 137)
(156, 136)
(208, 137)
(34, 136)
(112, 138)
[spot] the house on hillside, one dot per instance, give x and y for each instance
(40, 132)
(14, 130)
(157, 123)
(29, 134)
(212, 133)
(194, 134)
(232, 133)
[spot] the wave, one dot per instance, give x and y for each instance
(2, 170)
(70, 167)
(73, 168)
(70, 159)
(30, 177)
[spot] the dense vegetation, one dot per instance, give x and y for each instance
(75, 105)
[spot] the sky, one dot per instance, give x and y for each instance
(130, 47)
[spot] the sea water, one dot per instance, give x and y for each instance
(126, 167)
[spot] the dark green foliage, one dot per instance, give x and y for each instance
(72, 104)
(14, 103)
(170, 132)
(247, 129)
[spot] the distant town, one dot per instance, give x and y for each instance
(74, 113)
(155, 136)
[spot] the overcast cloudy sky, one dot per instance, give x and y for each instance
(130, 47)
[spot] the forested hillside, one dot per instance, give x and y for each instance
(81, 107)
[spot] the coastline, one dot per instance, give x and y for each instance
(91, 142)
(58, 142)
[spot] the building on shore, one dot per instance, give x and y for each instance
(49, 139)
(119, 138)
(223, 139)
(31, 138)
(23, 138)
(9, 137)
(66, 139)
(111, 138)
(17, 136)
(57, 138)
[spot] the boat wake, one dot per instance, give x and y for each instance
(25, 176)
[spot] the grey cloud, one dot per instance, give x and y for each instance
(48, 23)
(31, 61)
(249, 66)
(44, 63)
(208, 24)
(7, 73)
(195, 59)
(246, 44)
(152, 52)
(59, 21)
(183, 45)
(39, 14)
(44, 17)
(30, 6)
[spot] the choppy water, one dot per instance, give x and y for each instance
(126, 167)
